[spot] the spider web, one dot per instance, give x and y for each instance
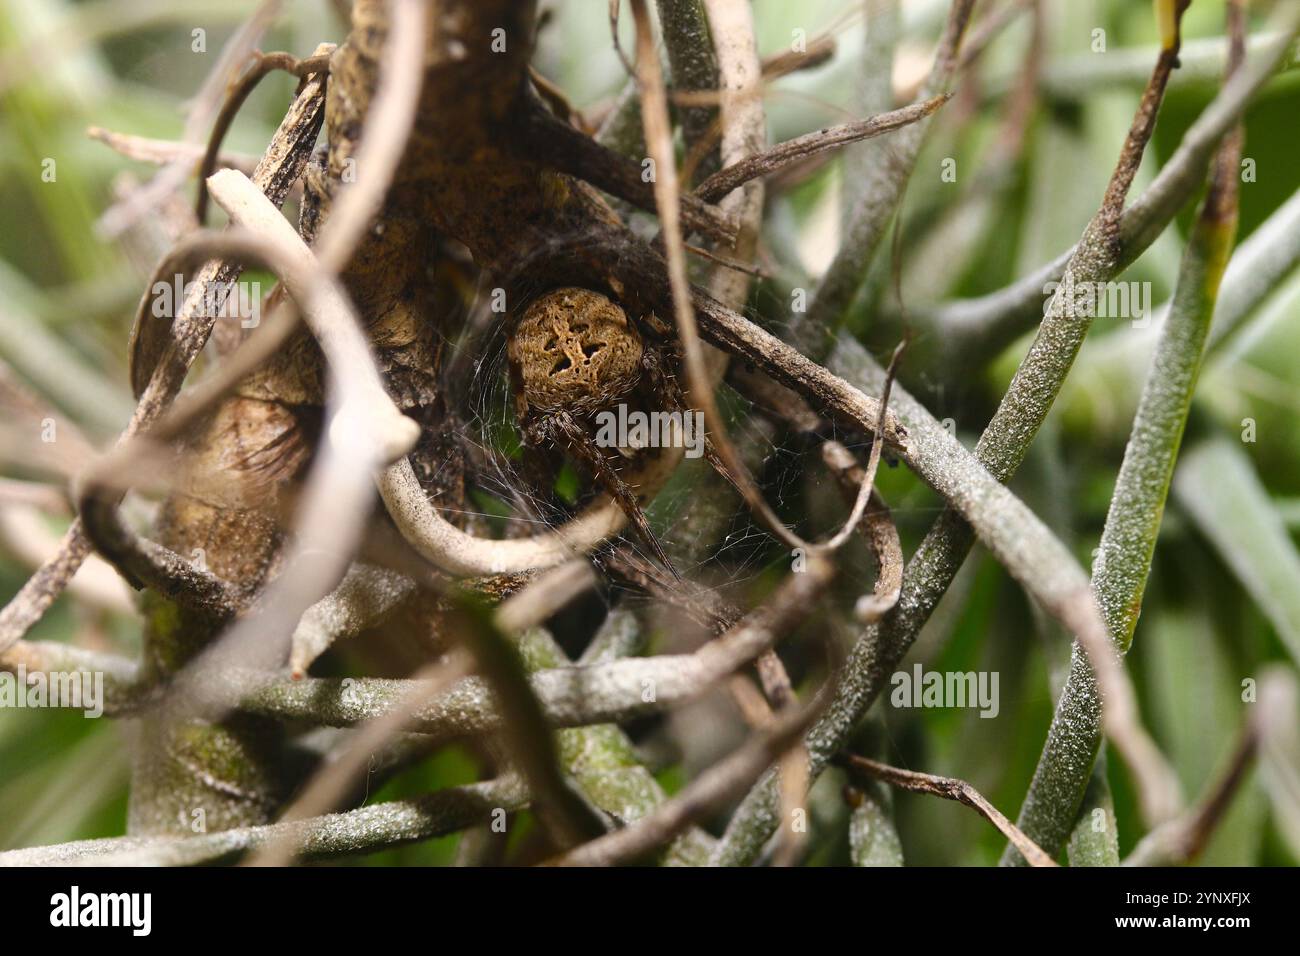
(698, 516)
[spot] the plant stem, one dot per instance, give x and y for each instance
(366, 830)
(1137, 506)
(601, 757)
(881, 194)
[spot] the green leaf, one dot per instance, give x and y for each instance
(1217, 485)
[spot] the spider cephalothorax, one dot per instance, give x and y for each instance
(574, 353)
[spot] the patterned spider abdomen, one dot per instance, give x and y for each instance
(575, 350)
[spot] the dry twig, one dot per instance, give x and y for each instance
(951, 789)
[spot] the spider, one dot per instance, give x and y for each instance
(574, 353)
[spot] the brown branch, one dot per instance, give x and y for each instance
(873, 459)
(613, 32)
(385, 132)
(982, 35)
(338, 493)
(1181, 840)
(880, 531)
(163, 151)
(847, 405)
(560, 145)
(146, 563)
(263, 65)
(786, 154)
(727, 262)
(281, 166)
(40, 590)
(950, 788)
(781, 404)
(820, 50)
(1144, 122)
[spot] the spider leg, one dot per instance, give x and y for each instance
(711, 455)
(665, 385)
(581, 444)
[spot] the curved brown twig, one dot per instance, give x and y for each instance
(263, 65)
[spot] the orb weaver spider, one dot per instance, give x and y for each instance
(573, 354)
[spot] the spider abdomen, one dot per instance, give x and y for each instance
(574, 349)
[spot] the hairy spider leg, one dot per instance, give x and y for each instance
(581, 444)
(664, 383)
